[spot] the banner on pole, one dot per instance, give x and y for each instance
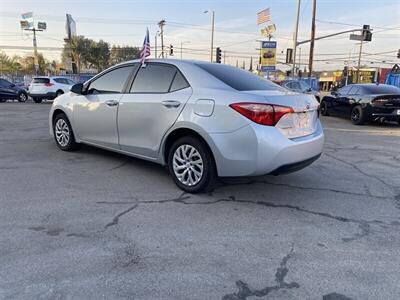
(268, 56)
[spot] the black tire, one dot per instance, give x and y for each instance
(71, 145)
(357, 115)
(22, 97)
(37, 100)
(59, 93)
(3, 100)
(324, 108)
(208, 177)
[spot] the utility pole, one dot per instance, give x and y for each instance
(155, 44)
(161, 25)
(35, 53)
(212, 33)
(359, 62)
(299, 64)
(311, 58)
(295, 36)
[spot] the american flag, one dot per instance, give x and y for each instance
(146, 48)
(263, 16)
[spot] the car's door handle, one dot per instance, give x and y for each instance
(112, 103)
(171, 103)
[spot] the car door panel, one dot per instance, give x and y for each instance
(95, 120)
(143, 120)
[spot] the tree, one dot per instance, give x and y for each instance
(123, 53)
(98, 55)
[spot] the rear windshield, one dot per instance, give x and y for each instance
(41, 80)
(238, 79)
(380, 89)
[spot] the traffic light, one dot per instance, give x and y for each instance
(366, 33)
(218, 55)
(289, 56)
(171, 50)
(398, 54)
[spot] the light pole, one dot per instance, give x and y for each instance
(296, 31)
(185, 42)
(212, 32)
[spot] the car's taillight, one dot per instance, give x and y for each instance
(49, 84)
(264, 114)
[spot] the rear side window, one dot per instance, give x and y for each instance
(111, 82)
(381, 89)
(154, 78)
(41, 80)
(179, 82)
(238, 79)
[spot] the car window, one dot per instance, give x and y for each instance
(4, 83)
(60, 80)
(238, 79)
(111, 82)
(380, 89)
(70, 82)
(179, 82)
(296, 85)
(154, 78)
(304, 85)
(345, 90)
(354, 90)
(41, 80)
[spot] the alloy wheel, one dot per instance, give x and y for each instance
(355, 114)
(188, 165)
(22, 97)
(62, 132)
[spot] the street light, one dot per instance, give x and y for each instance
(185, 42)
(212, 32)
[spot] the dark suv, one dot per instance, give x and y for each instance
(9, 90)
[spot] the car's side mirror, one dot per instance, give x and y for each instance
(77, 88)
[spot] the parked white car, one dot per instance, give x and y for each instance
(202, 120)
(44, 87)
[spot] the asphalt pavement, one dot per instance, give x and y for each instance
(98, 225)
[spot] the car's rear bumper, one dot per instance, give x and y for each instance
(258, 150)
(48, 95)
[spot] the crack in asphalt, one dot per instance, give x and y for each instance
(364, 225)
(246, 291)
(115, 220)
(257, 181)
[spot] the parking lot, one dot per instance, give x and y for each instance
(97, 225)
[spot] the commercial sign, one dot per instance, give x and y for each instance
(268, 56)
(27, 20)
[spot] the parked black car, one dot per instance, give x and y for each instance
(364, 102)
(9, 90)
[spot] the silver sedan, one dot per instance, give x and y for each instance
(202, 120)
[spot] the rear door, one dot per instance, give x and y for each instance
(95, 113)
(154, 102)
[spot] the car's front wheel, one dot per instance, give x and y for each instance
(191, 165)
(63, 134)
(22, 97)
(357, 115)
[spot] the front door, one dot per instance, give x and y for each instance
(154, 102)
(95, 113)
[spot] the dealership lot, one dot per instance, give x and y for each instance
(98, 225)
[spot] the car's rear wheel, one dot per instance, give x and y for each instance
(324, 108)
(22, 97)
(63, 134)
(37, 100)
(191, 165)
(357, 115)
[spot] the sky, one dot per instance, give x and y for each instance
(236, 32)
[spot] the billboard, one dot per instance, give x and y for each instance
(268, 56)
(27, 20)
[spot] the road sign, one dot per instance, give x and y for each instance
(42, 25)
(356, 37)
(268, 56)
